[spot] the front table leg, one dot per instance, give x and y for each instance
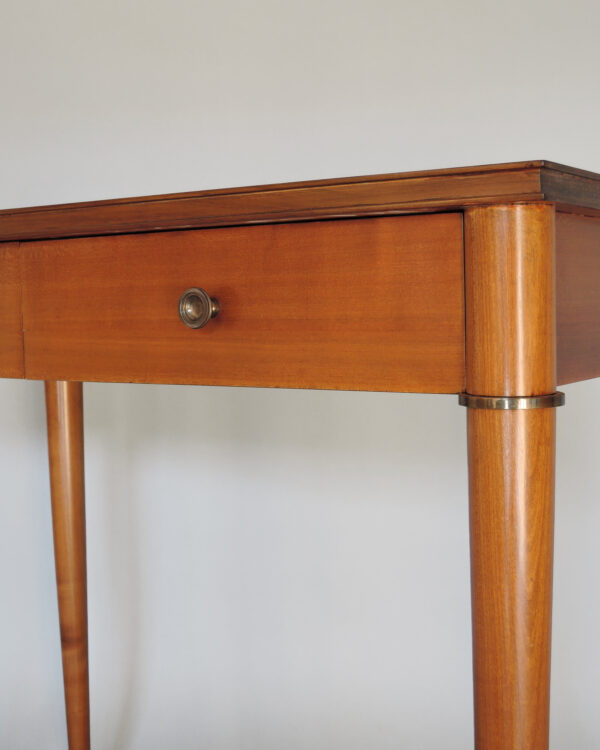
(511, 483)
(64, 408)
(510, 384)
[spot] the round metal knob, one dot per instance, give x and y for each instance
(197, 308)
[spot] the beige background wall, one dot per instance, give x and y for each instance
(279, 569)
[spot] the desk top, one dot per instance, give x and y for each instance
(369, 305)
(377, 195)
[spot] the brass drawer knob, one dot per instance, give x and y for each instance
(197, 308)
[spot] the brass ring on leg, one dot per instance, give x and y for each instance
(512, 402)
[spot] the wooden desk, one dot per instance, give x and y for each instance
(480, 281)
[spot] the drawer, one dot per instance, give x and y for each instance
(372, 304)
(11, 338)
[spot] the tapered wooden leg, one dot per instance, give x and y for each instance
(511, 482)
(64, 407)
(511, 345)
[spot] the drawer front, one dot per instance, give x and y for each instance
(11, 337)
(374, 304)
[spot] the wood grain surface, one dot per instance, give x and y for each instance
(356, 304)
(510, 293)
(511, 486)
(64, 408)
(509, 285)
(11, 337)
(374, 195)
(578, 297)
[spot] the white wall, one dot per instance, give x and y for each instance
(296, 575)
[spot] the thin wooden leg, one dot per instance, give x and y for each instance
(511, 352)
(511, 482)
(64, 408)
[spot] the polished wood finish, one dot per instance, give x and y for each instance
(323, 285)
(372, 305)
(509, 288)
(511, 486)
(570, 189)
(11, 336)
(374, 195)
(578, 297)
(64, 406)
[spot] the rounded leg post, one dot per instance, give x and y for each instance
(511, 374)
(64, 408)
(511, 483)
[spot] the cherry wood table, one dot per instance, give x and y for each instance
(480, 281)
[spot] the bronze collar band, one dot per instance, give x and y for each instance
(512, 402)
